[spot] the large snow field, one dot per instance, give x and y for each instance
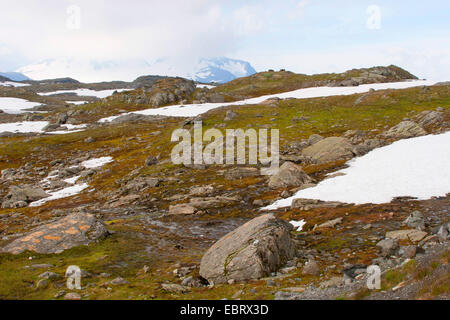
(416, 167)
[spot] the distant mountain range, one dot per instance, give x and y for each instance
(207, 70)
(14, 76)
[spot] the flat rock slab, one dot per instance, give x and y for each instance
(74, 230)
(412, 234)
(330, 149)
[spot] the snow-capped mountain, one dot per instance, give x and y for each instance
(14, 76)
(207, 70)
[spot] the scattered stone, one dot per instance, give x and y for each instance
(42, 284)
(252, 251)
(331, 223)
(182, 209)
(333, 282)
(388, 247)
(308, 204)
(408, 252)
(72, 296)
(118, 281)
(230, 115)
(151, 161)
(49, 275)
(412, 235)
(174, 288)
(415, 220)
(311, 268)
(201, 191)
(241, 172)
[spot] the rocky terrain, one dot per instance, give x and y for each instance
(108, 198)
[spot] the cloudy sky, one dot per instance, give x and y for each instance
(306, 36)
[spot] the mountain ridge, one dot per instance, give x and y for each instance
(206, 70)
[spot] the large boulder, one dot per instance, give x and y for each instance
(252, 251)
(74, 230)
(404, 130)
(289, 175)
(330, 149)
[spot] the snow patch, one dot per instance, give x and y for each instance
(16, 105)
(193, 110)
(96, 163)
(85, 93)
(417, 167)
(298, 224)
(63, 193)
(24, 127)
(76, 188)
(13, 84)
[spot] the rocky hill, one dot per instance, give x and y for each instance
(271, 82)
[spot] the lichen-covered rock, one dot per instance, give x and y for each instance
(330, 149)
(25, 195)
(404, 130)
(412, 235)
(74, 230)
(431, 118)
(252, 251)
(289, 175)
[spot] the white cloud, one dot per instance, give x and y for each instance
(131, 29)
(299, 9)
(248, 20)
(427, 59)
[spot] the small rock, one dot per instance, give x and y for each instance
(415, 220)
(388, 247)
(174, 288)
(311, 268)
(119, 281)
(408, 252)
(72, 296)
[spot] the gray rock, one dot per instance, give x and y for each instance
(289, 175)
(330, 149)
(230, 115)
(404, 130)
(50, 275)
(182, 209)
(388, 247)
(151, 161)
(412, 235)
(72, 296)
(74, 230)
(408, 252)
(254, 250)
(311, 268)
(431, 119)
(314, 138)
(118, 281)
(241, 172)
(23, 195)
(415, 220)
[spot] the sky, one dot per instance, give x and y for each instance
(304, 36)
